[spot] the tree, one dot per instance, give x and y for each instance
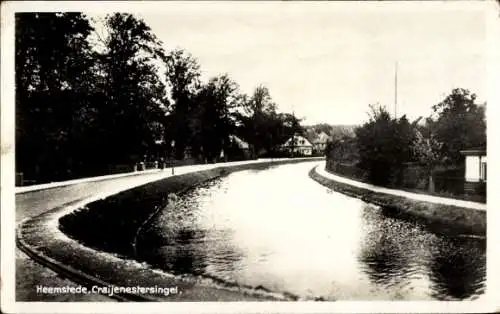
(261, 124)
(261, 102)
(212, 123)
(342, 149)
(384, 145)
(54, 76)
(183, 76)
(133, 94)
(374, 145)
(459, 123)
(259, 107)
(428, 151)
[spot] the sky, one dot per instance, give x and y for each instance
(328, 61)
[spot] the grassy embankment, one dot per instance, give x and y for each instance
(449, 181)
(438, 217)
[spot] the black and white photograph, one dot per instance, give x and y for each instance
(253, 156)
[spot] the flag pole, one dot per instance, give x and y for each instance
(396, 91)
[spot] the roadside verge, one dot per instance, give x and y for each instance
(440, 214)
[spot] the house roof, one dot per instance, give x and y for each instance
(297, 138)
(474, 152)
(241, 143)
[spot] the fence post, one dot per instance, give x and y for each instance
(19, 179)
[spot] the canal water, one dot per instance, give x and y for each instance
(280, 231)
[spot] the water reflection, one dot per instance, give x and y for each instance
(279, 230)
(179, 243)
(178, 254)
(458, 269)
(395, 253)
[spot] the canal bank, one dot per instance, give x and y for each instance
(41, 238)
(446, 215)
(280, 231)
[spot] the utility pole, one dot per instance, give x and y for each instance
(293, 132)
(172, 145)
(396, 91)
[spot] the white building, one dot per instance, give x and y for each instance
(475, 165)
(475, 170)
(298, 145)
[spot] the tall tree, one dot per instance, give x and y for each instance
(183, 75)
(132, 90)
(54, 74)
(258, 111)
(213, 122)
(460, 123)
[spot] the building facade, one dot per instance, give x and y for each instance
(298, 145)
(475, 170)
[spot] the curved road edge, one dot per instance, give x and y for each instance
(441, 214)
(67, 272)
(38, 235)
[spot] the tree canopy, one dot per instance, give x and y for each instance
(384, 144)
(90, 99)
(54, 82)
(459, 122)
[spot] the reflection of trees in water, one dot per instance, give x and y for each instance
(184, 247)
(383, 263)
(458, 270)
(383, 252)
(186, 257)
(197, 252)
(395, 249)
(178, 240)
(175, 251)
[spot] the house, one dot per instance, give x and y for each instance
(298, 144)
(238, 149)
(319, 143)
(475, 170)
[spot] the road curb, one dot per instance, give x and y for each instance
(46, 186)
(52, 185)
(72, 274)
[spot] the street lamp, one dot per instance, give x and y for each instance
(172, 144)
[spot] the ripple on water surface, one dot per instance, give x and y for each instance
(277, 229)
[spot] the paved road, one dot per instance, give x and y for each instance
(37, 201)
(30, 273)
(28, 204)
